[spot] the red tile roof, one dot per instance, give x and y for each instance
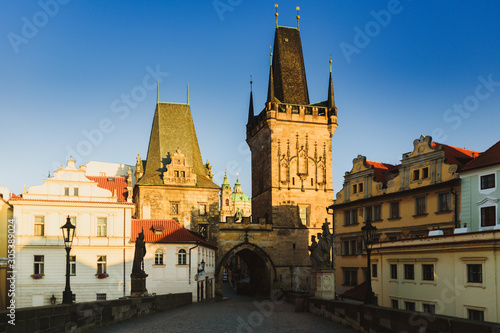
(114, 184)
(455, 155)
(380, 169)
(172, 232)
(72, 201)
(490, 157)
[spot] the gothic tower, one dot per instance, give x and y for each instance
(291, 143)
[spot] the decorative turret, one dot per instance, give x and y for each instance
(237, 185)
(225, 183)
(138, 168)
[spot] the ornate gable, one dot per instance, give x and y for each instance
(179, 171)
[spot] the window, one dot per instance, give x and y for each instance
(374, 270)
(350, 217)
(203, 230)
(394, 271)
(75, 191)
(175, 208)
(303, 214)
(475, 314)
(354, 188)
(488, 218)
(101, 264)
(176, 173)
(38, 264)
(350, 247)
(181, 257)
(487, 181)
(394, 210)
(102, 226)
(368, 214)
(39, 225)
(444, 202)
(425, 173)
(428, 272)
(72, 265)
(410, 306)
(158, 231)
(395, 303)
(100, 297)
(158, 257)
(416, 174)
(66, 191)
(360, 187)
(350, 276)
(377, 212)
(429, 308)
(420, 206)
(474, 273)
(227, 202)
(203, 209)
(409, 272)
(183, 174)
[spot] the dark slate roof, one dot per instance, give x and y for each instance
(489, 157)
(289, 74)
(173, 128)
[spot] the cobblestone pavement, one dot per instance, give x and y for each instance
(233, 314)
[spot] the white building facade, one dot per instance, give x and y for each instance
(177, 260)
(101, 255)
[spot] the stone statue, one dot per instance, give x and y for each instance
(238, 216)
(320, 256)
(311, 248)
(140, 252)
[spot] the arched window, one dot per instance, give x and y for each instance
(181, 257)
(159, 257)
(227, 202)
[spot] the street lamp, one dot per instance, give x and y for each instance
(68, 231)
(368, 232)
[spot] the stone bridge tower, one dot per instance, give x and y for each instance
(291, 145)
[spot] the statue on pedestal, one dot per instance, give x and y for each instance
(138, 276)
(320, 251)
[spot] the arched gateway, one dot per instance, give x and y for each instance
(261, 271)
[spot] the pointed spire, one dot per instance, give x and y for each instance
(298, 17)
(331, 100)
(270, 89)
(157, 92)
(276, 5)
(237, 185)
(188, 94)
(250, 108)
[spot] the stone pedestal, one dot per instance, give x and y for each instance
(325, 284)
(138, 285)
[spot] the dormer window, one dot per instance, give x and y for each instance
(357, 188)
(111, 179)
(422, 173)
(158, 231)
(176, 173)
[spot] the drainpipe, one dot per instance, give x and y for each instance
(194, 247)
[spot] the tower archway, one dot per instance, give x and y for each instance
(255, 274)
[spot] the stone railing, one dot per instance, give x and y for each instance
(365, 318)
(81, 317)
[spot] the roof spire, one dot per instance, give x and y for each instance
(188, 93)
(270, 89)
(298, 17)
(157, 92)
(250, 108)
(331, 100)
(276, 5)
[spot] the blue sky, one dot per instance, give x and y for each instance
(400, 69)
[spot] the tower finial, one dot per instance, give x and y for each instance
(251, 83)
(157, 92)
(298, 17)
(330, 62)
(188, 93)
(276, 5)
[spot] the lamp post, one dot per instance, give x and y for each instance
(368, 232)
(68, 231)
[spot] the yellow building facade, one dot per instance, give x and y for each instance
(5, 216)
(403, 201)
(454, 275)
